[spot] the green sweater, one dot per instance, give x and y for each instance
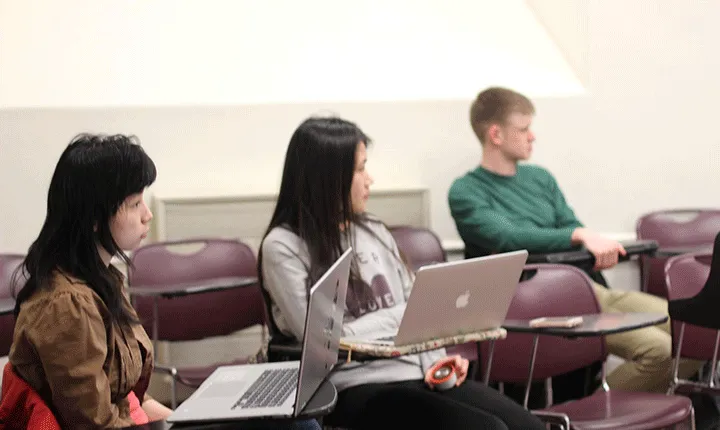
(495, 213)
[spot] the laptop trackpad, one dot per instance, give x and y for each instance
(227, 386)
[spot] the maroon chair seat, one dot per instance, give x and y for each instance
(673, 228)
(202, 315)
(563, 290)
(611, 410)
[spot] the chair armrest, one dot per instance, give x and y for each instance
(189, 288)
(583, 257)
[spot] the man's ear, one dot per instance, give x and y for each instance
(495, 134)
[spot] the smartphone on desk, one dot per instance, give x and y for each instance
(562, 322)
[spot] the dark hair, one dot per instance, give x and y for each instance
(92, 179)
(315, 200)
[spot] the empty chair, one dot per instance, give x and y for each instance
(199, 315)
(673, 228)
(560, 290)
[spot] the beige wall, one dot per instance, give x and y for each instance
(641, 138)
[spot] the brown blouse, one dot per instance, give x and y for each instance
(66, 347)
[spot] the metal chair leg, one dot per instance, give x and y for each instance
(530, 371)
(692, 418)
(173, 388)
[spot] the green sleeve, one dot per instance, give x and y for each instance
(478, 223)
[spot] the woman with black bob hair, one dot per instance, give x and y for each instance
(78, 342)
(320, 212)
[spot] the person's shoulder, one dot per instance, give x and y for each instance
(373, 223)
(471, 186)
(280, 240)
(65, 304)
(466, 177)
(63, 284)
(535, 171)
(281, 233)
(532, 169)
(461, 183)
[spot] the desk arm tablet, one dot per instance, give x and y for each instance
(583, 257)
(381, 350)
(292, 352)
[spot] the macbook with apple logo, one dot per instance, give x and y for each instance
(457, 297)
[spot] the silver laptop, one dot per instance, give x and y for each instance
(278, 390)
(457, 297)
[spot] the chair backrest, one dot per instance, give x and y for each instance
(8, 264)
(203, 315)
(673, 227)
(21, 407)
(547, 290)
(685, 276)
(419, 245)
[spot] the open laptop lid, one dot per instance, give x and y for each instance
(463, 296)
(323, 327)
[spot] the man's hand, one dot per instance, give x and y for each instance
(606, 251)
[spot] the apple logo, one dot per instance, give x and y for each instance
(463, 300)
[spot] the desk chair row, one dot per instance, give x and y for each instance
(155, 264)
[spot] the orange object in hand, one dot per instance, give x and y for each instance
(446, 373)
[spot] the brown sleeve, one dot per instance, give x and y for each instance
(71, 341)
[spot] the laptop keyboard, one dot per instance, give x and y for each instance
(272, 388)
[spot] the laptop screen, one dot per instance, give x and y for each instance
(323, 328)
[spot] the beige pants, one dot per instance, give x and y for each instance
(647, 351)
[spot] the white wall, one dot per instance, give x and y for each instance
(168, 52)
(641, 138)
(644, 137)
(214, 89)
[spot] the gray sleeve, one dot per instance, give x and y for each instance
(386, 320)
(285, 278)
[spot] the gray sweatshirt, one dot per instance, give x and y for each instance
(285, 268)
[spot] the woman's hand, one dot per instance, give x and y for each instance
(459, 364)
(155, 410)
